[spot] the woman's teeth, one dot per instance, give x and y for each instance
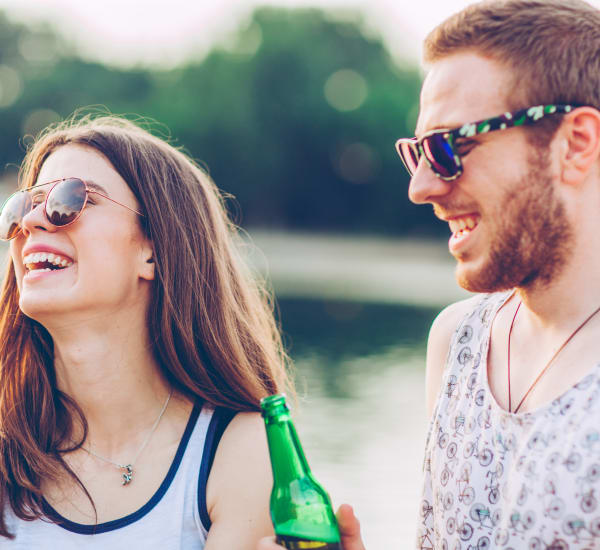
(46, 261)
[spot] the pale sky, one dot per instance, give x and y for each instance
(165, 31)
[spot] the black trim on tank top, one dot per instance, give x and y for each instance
(112, 525)
(218, 423)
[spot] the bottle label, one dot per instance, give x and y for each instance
(294, 543)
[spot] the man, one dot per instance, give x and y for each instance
(513, 375)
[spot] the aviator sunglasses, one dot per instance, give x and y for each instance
(439, 146)
(63, 204)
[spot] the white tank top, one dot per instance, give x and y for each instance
(175, 517)
(494, 479)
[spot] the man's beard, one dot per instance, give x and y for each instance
(531, 239)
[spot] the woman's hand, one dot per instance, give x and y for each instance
(349, 531)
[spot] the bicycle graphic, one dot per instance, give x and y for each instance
(466, 493)
(504, 445)
(481, 515)
(493, 484)
(575, 526)
(536, 543)
(459, 425)
(451, 386)
(521, 523)
(426, 510)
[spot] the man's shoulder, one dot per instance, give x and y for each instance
(451, 316)
(442, 331)
(438, 345)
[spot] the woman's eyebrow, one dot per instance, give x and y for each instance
(89, 183)
(96, 187)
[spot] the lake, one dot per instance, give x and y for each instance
(361, 417)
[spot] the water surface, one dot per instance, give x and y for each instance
(361, 417)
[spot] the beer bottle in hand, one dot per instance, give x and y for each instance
(300, 508)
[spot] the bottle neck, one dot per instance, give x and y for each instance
(287, 457)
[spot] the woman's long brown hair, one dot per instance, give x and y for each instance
(211, 323)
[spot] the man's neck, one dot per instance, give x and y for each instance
(572, 294)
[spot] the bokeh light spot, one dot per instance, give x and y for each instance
(357, 163)
(38, 49)
(346, 90)
(10, 86)
(37, 120)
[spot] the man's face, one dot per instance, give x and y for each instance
(508, 227)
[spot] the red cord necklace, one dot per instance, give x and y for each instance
(543, 371)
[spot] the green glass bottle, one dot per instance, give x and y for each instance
(300, 508)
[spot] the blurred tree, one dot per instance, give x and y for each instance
(296, 115)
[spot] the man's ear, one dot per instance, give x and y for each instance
(579, 136)
(147, 262)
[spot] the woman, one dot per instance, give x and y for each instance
(130, 336)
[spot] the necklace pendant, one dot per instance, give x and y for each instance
(128, 475)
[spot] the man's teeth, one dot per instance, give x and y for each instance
(31, 260)
(466, 223)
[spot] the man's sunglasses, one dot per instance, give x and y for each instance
(439, 146)
(63, 204)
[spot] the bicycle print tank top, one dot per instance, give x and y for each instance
(494, 479)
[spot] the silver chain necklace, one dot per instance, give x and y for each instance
(127, 474)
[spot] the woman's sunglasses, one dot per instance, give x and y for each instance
(439, 146)
(63, 204)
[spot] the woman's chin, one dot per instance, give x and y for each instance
(41, 308)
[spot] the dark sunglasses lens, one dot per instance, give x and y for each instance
(65, 201)
(440, 155)
(11, 215)
(409, 155)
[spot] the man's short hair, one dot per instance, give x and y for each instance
(552, 47)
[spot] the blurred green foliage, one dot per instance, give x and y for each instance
(296, 117)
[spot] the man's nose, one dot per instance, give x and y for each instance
(425, 186)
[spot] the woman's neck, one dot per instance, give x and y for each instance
(110, 372)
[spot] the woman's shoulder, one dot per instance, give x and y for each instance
(233, 434)
(243, 434)
(242, 452)
(243, 424)
(240, 481)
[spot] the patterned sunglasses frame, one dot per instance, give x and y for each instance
(412, 149)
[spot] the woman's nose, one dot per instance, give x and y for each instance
(35, 219)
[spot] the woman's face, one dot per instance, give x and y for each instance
(108, 259)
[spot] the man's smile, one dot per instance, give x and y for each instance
(461, 225)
